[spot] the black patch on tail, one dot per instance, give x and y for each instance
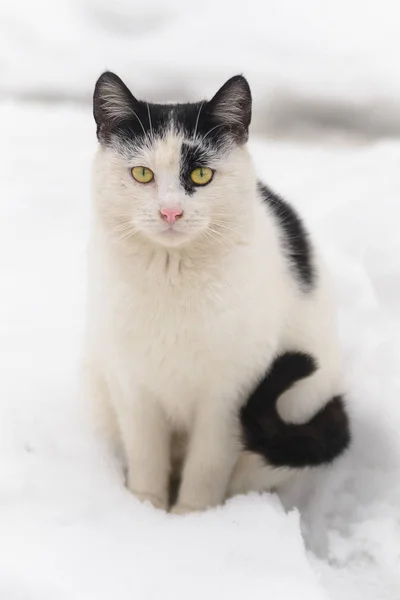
(320, 441)
(295, 238)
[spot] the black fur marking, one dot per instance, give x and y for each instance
(320, 441)
(207, 118)
(296, 242)
(223, 119)
(208, 127)
(232, 105)
(192, 156)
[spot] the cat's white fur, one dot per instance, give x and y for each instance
(181, 326)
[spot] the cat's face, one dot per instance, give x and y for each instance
(172, 173)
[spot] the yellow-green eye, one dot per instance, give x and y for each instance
(142, 174)
(201, 175)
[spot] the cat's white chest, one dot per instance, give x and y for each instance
(185, 344)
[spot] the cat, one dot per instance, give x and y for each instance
(211, 339)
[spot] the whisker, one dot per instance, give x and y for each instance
(197, 121)
(122, 231)
(226, 214)
(221, 234)
(150, 123)
(122, 227)
(126, 236)
(219, 238)
(226, 227)
(212, 129)
(144, 131)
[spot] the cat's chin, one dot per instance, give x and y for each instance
(171, 238)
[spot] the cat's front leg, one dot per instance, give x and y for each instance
(146, 437)
(212, 453)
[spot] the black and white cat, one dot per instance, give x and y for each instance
(210, 337)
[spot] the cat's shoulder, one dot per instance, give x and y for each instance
(294, 235)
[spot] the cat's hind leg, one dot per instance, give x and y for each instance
(252, 474)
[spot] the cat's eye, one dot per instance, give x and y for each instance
(201, 175)
(142, 174)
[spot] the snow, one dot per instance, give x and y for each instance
(69, 529)
(334, 63)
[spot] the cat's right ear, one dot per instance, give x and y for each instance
(231, 106)
(113, 103)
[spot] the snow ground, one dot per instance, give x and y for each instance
(69, 529)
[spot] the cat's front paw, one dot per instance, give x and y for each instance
(183, 509)
(155, 501)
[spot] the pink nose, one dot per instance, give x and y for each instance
(171, 214)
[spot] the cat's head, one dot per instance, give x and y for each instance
(172, 173)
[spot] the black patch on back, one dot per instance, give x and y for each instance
(295, 237)
(281, 444)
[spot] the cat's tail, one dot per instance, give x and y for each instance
(283, 444)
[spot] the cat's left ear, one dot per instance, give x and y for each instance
(113, 103)
(231, 106)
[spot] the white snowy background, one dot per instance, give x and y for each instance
(326, 84)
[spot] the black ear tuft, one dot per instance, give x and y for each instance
(113, 103)
(231, 105)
